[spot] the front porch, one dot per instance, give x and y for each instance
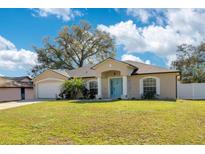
(112, 78)
(112, 85)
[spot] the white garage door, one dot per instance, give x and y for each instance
(49, 89)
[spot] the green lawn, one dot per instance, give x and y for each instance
(119, 122)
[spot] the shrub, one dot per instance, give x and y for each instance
(149, 95)
(88, 94)
(73, 88)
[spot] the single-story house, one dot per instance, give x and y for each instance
(112, 79)
(16, 88)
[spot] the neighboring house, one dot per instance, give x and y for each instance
(16, 88)
(112, 79)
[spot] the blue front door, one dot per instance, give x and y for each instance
(116, 87)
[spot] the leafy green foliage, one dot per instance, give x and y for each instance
(74, 47)
(73, 88)
(88, 94)
(191, 63)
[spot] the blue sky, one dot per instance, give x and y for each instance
(145, 35)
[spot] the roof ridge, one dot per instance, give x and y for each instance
(60, 71)
(120, 61)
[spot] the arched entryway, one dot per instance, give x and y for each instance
(113, 84)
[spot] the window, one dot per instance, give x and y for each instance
(93, 87)
(149, 85)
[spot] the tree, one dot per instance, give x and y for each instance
(74, 47)
(191, 63)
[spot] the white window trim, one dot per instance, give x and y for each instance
(157, 84)
(88, 83)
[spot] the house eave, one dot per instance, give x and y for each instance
(155, 73)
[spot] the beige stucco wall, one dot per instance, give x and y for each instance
(29, 93)
(110, 65)
(10, 94)
(167, 80)
(111, 68)
(14, 94)
(105, 79)
(167, 85)
(105, 88)
(49, 74)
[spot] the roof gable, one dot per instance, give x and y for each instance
(114, 60)
(52, 73)
(111, 64)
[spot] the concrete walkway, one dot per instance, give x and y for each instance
(13, 104)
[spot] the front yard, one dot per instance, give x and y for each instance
(119, 122)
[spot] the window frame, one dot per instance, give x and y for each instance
(157, 84)
(88, 85)
(150, 85)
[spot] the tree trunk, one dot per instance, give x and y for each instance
(81, 63)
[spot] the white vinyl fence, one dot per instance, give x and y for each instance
(191, 90)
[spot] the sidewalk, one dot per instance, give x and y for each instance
(13, 104)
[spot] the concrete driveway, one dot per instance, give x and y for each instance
(13, 104)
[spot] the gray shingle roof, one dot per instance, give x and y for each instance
(62, 72)
(84, 71)
(19, 78)
(148, 69)
(114, 60)
(141, 68)
(12, 82)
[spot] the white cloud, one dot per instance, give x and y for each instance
(126, 57)
(125, 33)
(187, 21)
(183, 26)
(154, 16)
(65, 14)
(5, 44)
(142, 14)
(11, 58)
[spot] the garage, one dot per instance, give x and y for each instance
(16, 88)
(48, 84)
(49, 89)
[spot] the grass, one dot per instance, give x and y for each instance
(119, 122)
